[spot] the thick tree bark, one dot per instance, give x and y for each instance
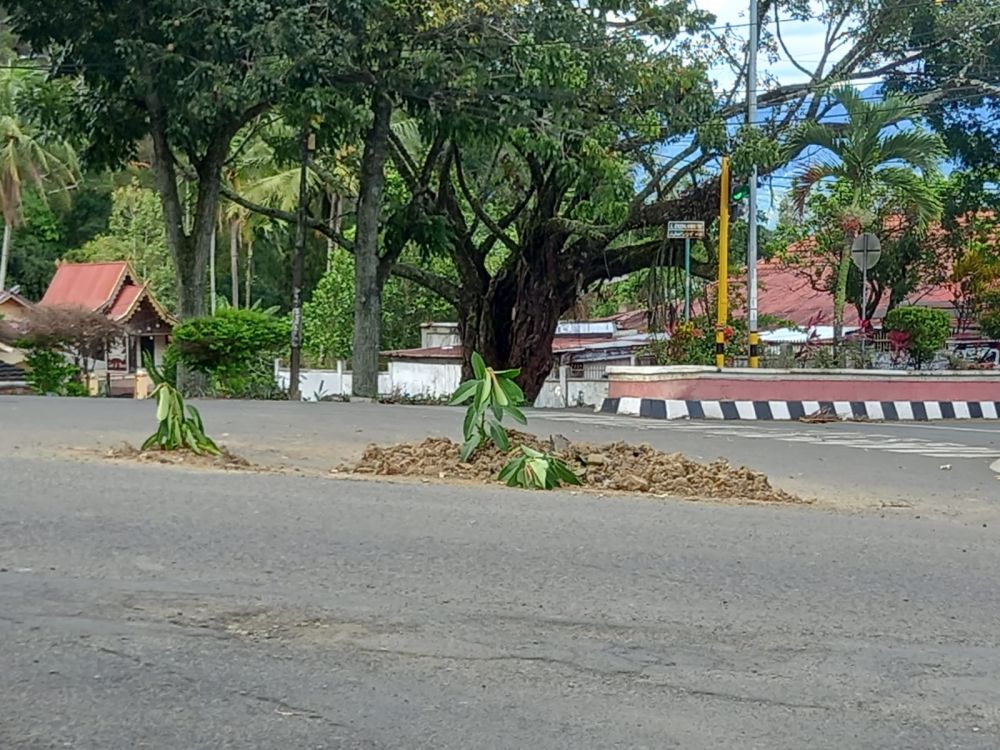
(513, 325)
(8, 230)
(511, 319)
(367, 288)
(191, 250)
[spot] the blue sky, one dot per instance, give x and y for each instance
(805, 41)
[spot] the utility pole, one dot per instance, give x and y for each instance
(298, 266)
(723, 312)
(752, 208)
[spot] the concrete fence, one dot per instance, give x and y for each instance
(681, 392)
(437, 381)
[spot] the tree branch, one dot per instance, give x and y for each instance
(478, 209)
(784, 47)
(290, 218)
(428, 280)
(404, 162)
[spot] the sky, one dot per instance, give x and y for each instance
(805, 41)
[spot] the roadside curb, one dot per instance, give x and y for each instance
(887, 411)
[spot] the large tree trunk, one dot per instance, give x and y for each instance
(8, 230)
(513, 324)
(367, 288)
(191, 250)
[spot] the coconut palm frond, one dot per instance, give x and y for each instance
(407, 131)
(813, 133)
(808, 178)
(921, 148)
(921, 199)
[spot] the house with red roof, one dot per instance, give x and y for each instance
(114, 289)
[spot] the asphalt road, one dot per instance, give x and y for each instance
(149, 607)
(939, 468)
(160, 607)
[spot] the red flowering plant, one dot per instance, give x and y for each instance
(686, 344)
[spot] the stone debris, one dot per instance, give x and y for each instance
(620, 466)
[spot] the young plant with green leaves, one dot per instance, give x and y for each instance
(180, 428)
(535, 470)
(491, 394)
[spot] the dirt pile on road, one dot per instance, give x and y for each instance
(615, 467)
(225, 460)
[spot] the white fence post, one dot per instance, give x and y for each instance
(340, 377)
(564, 384)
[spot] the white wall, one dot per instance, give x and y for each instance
(317, 384)
(406, 378)
(578, 393)
(424, 379)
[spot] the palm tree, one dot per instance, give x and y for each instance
(26, 157)
(866, 152)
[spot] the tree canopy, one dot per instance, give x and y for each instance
(508, 157)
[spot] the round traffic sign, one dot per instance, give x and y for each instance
(866, 250)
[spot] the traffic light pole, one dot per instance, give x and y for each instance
(752, 208)
(687, 279)
(723, 311)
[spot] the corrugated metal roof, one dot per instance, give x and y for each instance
(88, 285)
(125, 302)
(11, 373)
(7, 294)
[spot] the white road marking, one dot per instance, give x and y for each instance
(866, 441)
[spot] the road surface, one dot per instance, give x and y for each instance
(160, 607)
(851, 465)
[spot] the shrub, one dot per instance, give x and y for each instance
(50, 374)
(234, 348)
(927, 330)
(989, 321)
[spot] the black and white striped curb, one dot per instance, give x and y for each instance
(890, 411)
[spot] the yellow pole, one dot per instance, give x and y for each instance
(754, 349)
(723, 319)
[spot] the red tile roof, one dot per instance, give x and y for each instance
(92, 286)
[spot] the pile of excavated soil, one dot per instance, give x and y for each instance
(224, 460)
(620, 467)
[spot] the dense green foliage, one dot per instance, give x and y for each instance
(50, 374)
(327, 318)
(926, 330)
(989, 321)
(234, 347)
